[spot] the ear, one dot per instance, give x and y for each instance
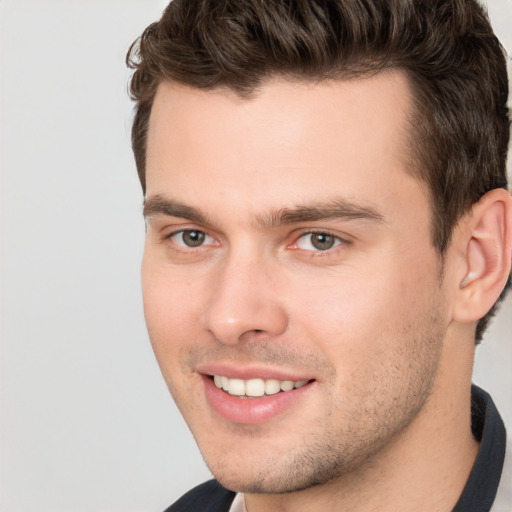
(486, 241)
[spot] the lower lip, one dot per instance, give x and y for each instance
(251, 411)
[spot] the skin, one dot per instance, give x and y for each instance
(370, 321)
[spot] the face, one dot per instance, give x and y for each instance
(291, 291)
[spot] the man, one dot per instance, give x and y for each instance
(328, 231)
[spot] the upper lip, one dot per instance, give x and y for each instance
(246, 372)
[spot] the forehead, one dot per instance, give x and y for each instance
(290, 142)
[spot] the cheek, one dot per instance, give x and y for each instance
(356, 320)
(171, 311)
(345, 305)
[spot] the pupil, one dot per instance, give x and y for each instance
(193, 238)
(322, 241)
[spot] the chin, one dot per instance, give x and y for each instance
(279, 473)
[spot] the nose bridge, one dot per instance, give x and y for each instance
(244, 299)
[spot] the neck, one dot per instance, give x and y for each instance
(423, 469)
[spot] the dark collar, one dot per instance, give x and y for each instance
(480, 490)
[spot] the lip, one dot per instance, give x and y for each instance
(250, 372)
(251, 411)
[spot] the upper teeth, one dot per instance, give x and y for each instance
(255, 387)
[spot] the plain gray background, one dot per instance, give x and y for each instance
(86, 422)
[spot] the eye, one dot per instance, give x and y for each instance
(318, 241)
(191, 238)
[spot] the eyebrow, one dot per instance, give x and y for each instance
(158, 205)
(324, 210)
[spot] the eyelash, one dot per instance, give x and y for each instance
(182, 232)
(337, 240)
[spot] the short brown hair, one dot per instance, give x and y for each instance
(447, 48)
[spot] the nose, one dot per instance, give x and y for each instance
(245, 302)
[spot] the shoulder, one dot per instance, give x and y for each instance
(503, 502)
(207, 497)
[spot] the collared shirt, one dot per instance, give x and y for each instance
(489, 486)
(238, 504)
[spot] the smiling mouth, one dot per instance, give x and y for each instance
(256, 388)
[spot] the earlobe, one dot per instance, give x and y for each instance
(488, 249)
